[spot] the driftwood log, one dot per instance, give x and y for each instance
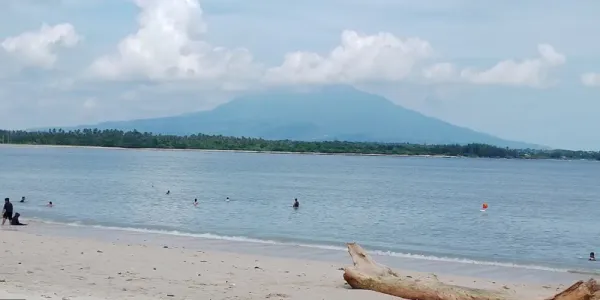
(366, 274)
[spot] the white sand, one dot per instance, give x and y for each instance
(51, 267)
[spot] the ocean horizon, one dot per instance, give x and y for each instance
(401, 207)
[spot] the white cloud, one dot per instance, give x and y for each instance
(591, 79)
(167, 47)
(529, 72)
(440, 72)
(359, 58)
(38, 48)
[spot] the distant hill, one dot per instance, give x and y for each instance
(331, 113)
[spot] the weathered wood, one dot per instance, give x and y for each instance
(580, 290)
(367, 274)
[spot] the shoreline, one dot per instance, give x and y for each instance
(115, 266)
(5, 145)
(292, 250)
(230, 151)
(283, 152)
(335, 250)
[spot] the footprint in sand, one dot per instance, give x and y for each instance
(278, 295)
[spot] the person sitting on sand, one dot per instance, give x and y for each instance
(15, 220)
(592, 256)
(296, 203)
(22, 199)
(50, 204)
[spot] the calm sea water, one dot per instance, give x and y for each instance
(542, 213)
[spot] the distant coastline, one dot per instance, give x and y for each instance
(116, 139)
(224, 151)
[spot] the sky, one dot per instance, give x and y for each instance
(521, 70)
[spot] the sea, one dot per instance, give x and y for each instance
(542, 215)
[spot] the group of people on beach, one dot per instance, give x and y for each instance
(7, 212)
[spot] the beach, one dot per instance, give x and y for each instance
(114, 233)
(39, 264)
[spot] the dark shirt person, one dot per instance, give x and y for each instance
(15, 220)
(22, 200)
(7, 211)
(592, 256)
(296, 203)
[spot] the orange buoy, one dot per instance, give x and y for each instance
(485, 206)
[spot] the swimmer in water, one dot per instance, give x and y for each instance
(592, 256)
(22, 200)
(168, 192)
(50, 204)
(296, 203)
(227, 200)
(195, 202)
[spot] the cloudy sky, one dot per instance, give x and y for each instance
(521, 70)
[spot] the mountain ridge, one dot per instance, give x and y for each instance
(328, 113)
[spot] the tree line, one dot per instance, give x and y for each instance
(136, 139)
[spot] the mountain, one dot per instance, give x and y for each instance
(331, 113)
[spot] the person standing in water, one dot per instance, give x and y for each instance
(50, 204)
(296, 203)
(22, 199)
(7, 211)
(592, 256)
(195, 202)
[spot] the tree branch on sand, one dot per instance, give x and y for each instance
(366, 274)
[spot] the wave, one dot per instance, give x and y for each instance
(317, 246)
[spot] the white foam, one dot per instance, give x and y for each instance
(315, 246)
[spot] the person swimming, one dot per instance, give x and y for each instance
(296, 203)
(592, 256)
(50, 204)
(15, 220)
(168, 192)
(22, 199)
(227, 200)
(195, 202)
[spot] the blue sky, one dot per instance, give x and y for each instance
(527, 71)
